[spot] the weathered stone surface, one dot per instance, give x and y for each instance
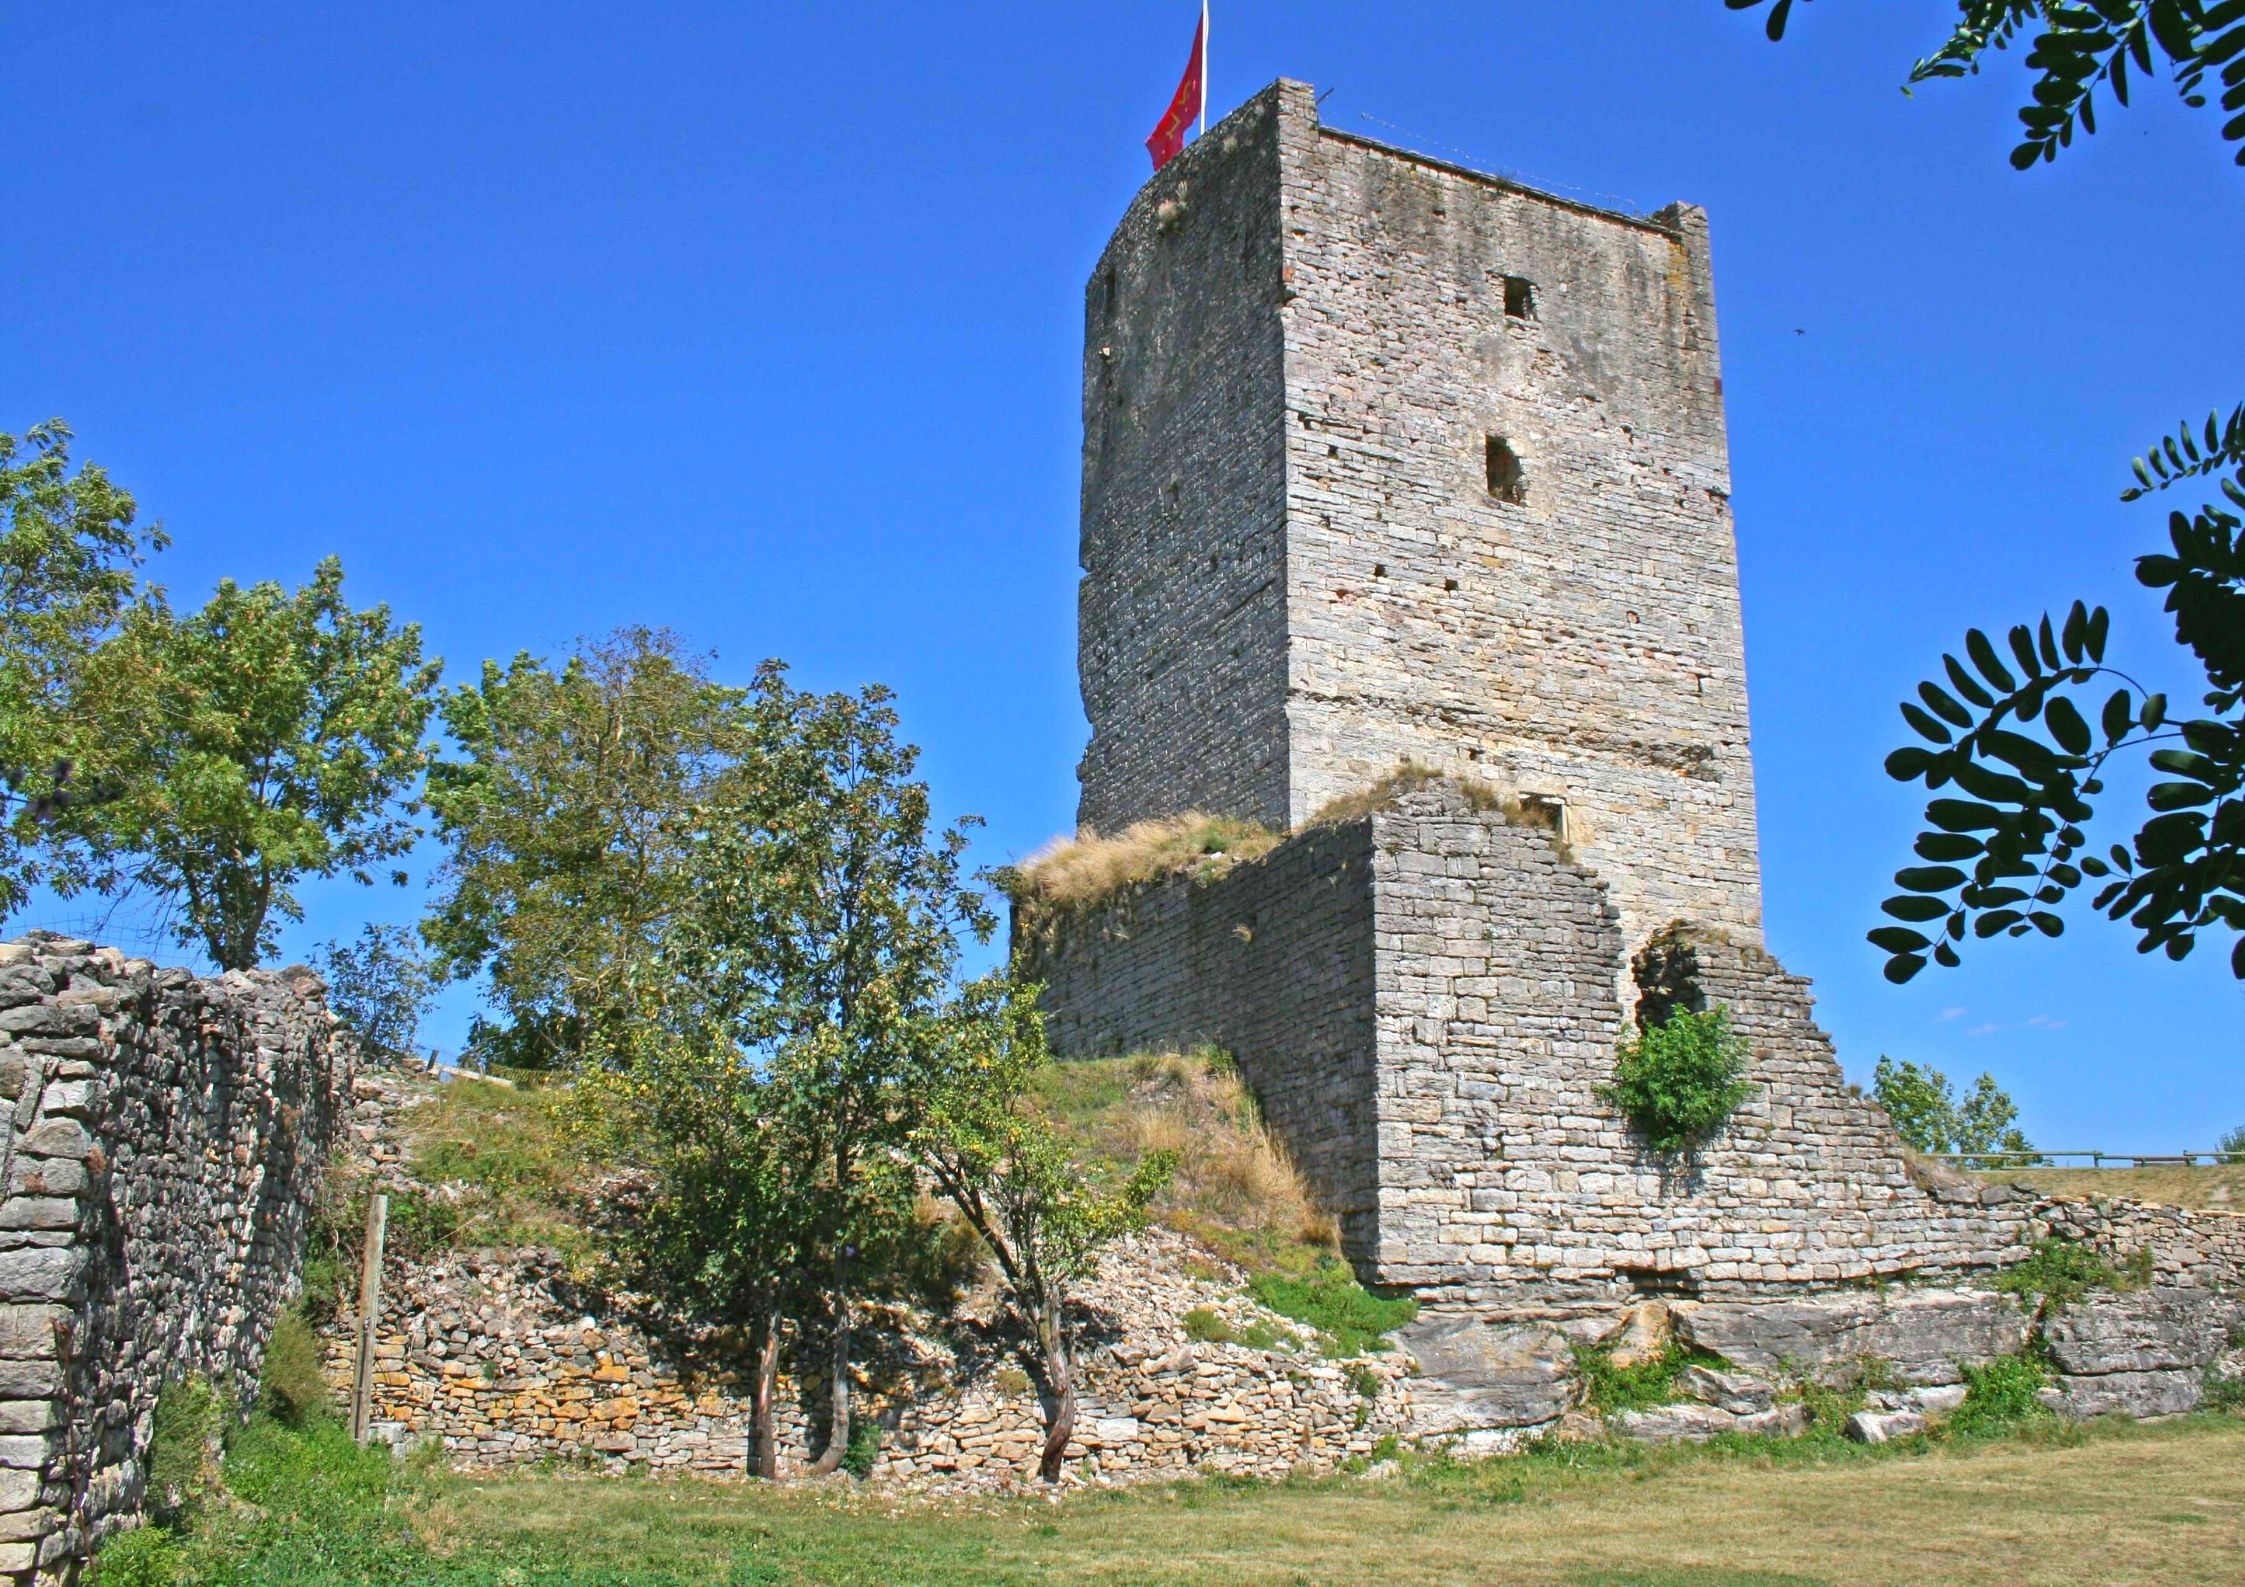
(1646, 1332)
(1477, 1374)
(1938, 1401)
(1736, 1392)
(2141, 1331)
(1923, 1336)
(171, 1134)
(2131, 1393)
(1690, 1423)
(1876, 1427)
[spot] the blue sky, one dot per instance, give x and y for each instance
(761, 323)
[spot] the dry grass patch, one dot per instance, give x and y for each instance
(1078, 870)
(2216, 1188)
(1235, 1189)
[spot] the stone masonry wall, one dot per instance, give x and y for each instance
(1582, 643)
(498, 1357)
(1296, 574)
(1182, 641)
(1273, 963)
(1506, 1173)
(1499, 1176)
(160, 1145)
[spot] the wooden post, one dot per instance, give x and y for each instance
(370, 1313)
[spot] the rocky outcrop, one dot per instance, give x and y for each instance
(1921, 1336)
(160, 1139)
(1475, 1375)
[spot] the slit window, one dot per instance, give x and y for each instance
(1507, 482)
(1519, 298)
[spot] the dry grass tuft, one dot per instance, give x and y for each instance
(1412, 776)
(2212, 1188)
(1235, 1189)
(1070, 871)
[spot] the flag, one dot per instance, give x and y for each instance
(1190, 103)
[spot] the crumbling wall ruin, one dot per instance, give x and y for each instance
(161, 1140)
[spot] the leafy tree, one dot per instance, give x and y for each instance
(381, 985)
(268, 737)
(68, 549)
(566, 812)
(1928, 1116)
(1678, 1080)
(983, 1141)
(823, 926)
(2232, 1146)
(734, 1221)
(2021, 731)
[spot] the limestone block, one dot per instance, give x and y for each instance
(2142, 1331)
(2167, 1393)
(1478, 1374)
(1737, 1392)
(1876, 1427)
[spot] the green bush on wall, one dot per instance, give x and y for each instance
(1679, 1080)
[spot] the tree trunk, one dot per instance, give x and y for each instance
(764, 1439)
(838, 1388)
(1060, 1387)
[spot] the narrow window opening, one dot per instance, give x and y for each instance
(1519, 298)
(1450, 584)
(1379, 570)
(1507, 482)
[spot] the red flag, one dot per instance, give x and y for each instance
(1190, 104)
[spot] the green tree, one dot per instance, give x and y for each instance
(829, 907)
(1929, 1117)
(566, 812)
(1042, 1217)
(268, 737)
(2024, 733)
(380, 984)
(734, 1221)
(68, 550)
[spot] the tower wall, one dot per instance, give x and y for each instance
(1182, 610)
(1300, 348)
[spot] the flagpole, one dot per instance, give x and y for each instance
(1203, 65)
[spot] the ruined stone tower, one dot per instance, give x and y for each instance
(1392, 464)
(1389, 461)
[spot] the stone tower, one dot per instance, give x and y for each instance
(1390, 461)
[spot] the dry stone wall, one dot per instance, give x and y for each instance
(162, 1139)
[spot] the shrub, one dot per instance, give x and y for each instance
(1610, 1387)
(183, 1448)
(1999, 1397)
(864, 1447)
(1206, 1327)
(1677, 1081)
(2232, 1146)
(1349, 1318)
(294, 1388)
(2062, 1271)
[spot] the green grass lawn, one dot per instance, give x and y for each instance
(2053, 1504)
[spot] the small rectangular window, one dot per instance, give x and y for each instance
(1519, 298)
(1506, 480)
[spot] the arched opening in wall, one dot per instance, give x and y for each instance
(1507, 480)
